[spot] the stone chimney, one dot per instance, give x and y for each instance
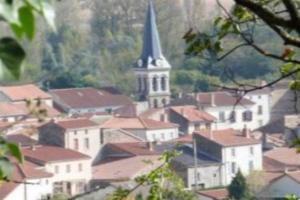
(33, 147)
(246, 132)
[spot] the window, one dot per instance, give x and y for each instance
(259, 97)
(145, 84)
(154, 84)
(76, 145)
(251, 166)
(260, 110)
(260, 123)
(233, 152)
(198, 176)
(164, 101)
(56, 169)
(79, 167)
(247, 116)
(155, 103)
(197, 126)
(172, 135)
(163, 136)
(163, 83)
(222, 116)
(68, 168)
(87, 143)
(140, 84)
(86, 131)
(233, 168)
(251, 150)
(75, 132)
(232, 117)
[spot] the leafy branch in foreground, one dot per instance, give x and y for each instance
(242, 24)
(162, 184)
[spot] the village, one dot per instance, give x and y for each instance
(94, 139)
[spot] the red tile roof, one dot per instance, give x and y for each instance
(192, 114)
(215, 194)
(134, 148)
(125, 169)
(220, 99)
(21, 139)
(285, 155)
(227, 137)
(21, 173)
(88, 98)
(76, 123)
(136, 123)
(45, 154)
(23, 92)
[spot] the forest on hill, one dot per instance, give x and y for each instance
(97, 42)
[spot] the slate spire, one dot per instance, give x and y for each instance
(151, 46)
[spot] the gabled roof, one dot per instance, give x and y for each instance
(133, 148)
(21, 139)
(215, 194)
(46, 154)
(21, 173)
(75, 123)
(227, 137)
(23, 92)
(79, 98)
(136, 123)
(151, 47)
(125, 168)
(220, 99)
(192, 114)
(284, 155)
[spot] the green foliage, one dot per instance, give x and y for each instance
(162, 182)
(238, 188)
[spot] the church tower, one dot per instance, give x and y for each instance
(152, 70)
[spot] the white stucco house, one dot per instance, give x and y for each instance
(71, 170)
(30, 182)
(234, 149)
(147, 129)
(78, 134)
(235, 112)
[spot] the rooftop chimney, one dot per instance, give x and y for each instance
(211, 133)
(212, 99)
(246, 132)
(33, 147)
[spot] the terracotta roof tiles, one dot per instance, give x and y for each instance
(227, 137)
(215, 194)
(53, 154)
(23, 92)
(76, 123)
(191, 114)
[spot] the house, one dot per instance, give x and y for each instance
(71, 170)
(88, 100)
(230, 111)
(78, 134)
(262, 108)
(22, 93)
(205, 173)
(190, 119)
(28, 182)
(116, 166)
(234, 149)
(286, 184)
(147, 129)
(213, 194)
(12, 112)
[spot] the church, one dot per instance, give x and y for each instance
(152, 70)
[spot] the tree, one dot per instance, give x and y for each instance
(238, 188)
(19, 16)
(243, 23)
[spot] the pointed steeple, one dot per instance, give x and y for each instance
(151, 46)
